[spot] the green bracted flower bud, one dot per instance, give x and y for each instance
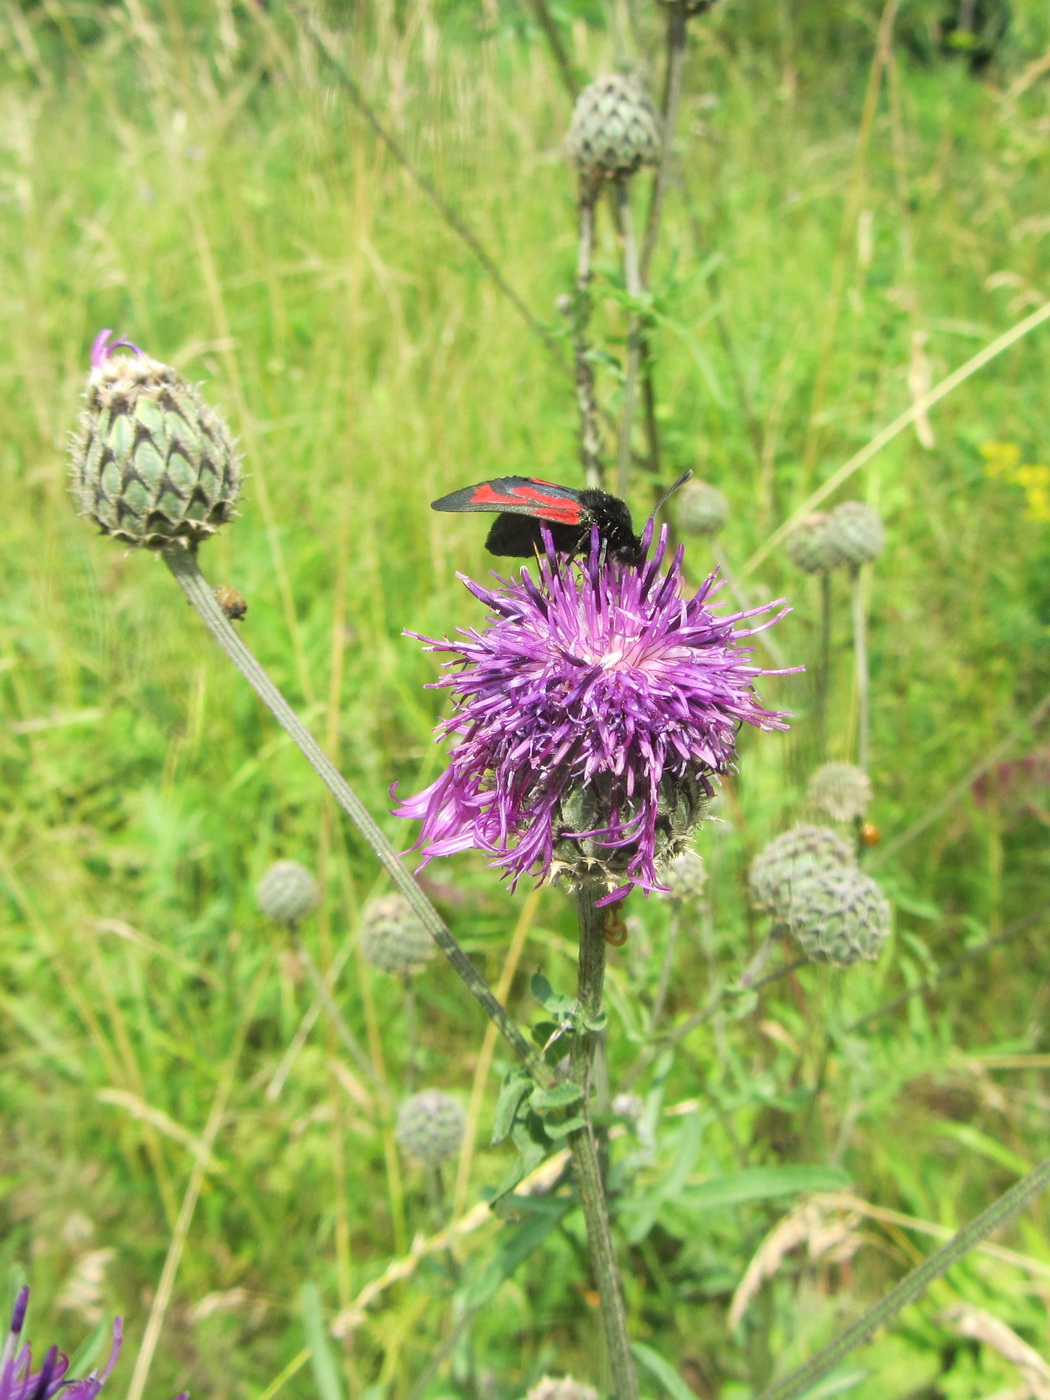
(152, 464)
(841, 789)
(614, 129)
(780, 867)
(430, 1127)
(392, 937)
(855, 533)
(840, 916)
(702, 509)
(685, 877)
(811, 546)
(287, 892)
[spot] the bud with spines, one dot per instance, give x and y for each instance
(856, 534)
(839, 916)
(841, 789)
(287, 892)
(780, 867)
(685, 877)
(152, 463)
(430, 1127)
(392, 937)
(811, 546)
(702, 509)
(614, 130)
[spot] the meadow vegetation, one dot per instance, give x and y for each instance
(848, 225)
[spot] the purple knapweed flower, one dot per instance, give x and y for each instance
(18, 1380)
(590, 716)
(102, 348)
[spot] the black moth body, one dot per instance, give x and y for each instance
(525, 505)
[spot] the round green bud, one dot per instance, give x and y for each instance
(841, 789)
(701, 509)
(430, 1127)
(810, 545)
(287, 892)
(151, 463)
(856, 533)
(780, 867)
(839, 916)
(392, 937)
(614, 128)
(685, 877)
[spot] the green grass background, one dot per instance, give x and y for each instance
(194, 176)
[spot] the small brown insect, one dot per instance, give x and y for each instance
(614, 926)
(870, 834)
(233, 604)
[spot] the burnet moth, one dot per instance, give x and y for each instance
(523, 505)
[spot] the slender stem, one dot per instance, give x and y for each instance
(663, 986)
(411, 1036)
(585, 1152)
(823, 673)
(672, 99)
(590, 431)
(349, 1041)
(546, 21)
(860, 653)
(633, 283)
(183, 564)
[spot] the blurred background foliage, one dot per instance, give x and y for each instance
(192, 173)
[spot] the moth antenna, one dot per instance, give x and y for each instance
(669, 493)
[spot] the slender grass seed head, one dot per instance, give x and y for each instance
(780, 867)
(841, 789)
(392, 937)
(287, 892)
(430, 1127)
(151, 462)
(591, 717)
(840, 916)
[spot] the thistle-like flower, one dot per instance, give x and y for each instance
(855, 533)
(152, 464)
(841, 789)
(614, 129)
(393, 938)
(287, 892)
(839, 916)
(18, 1380)
(591, 716)
(430, 1127)
(702, 509)
(779, 868)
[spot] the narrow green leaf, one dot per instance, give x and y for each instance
(975, 1141)
(326, 1377)
(837, 1383)
(662, 1372)
(561, 1096)
(561, 1130)
(88, 1352)
(763, 1184)
(515, 1087)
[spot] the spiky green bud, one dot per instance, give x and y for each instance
(839, 916)
(855, 533)
(780, 867)
(841, 789)
(702, 509)
(151, 463)
(287, 892)
(685, 877)
(430, 1127)
(811, 547)
(614, 129)
(392, 937)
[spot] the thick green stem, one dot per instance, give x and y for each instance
(183, 564)
(585, 1153)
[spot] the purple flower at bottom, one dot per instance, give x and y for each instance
(590, 716)
(18, 1380)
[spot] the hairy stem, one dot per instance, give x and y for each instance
(584, 1150)
(183, 564)
(586, 401)
(633, 284)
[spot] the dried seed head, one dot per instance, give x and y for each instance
(811, 547)
(392, 937)
(563, 1388)
(855, 533)
(152, 464)
(841, 789)
(614, 129)
(287, 892)
(839, 916)
(780, 867)
(702, 509)
(430, 1127)
(686, 876)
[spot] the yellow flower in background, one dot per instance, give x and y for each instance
(1002, 460)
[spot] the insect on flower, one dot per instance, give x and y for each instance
(525, 506)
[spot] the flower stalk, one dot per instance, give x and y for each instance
(586, 399)
(633, 284)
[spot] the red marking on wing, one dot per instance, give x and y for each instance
(535, 498)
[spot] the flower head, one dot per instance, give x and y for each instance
(591, 715)
(18, 1380)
